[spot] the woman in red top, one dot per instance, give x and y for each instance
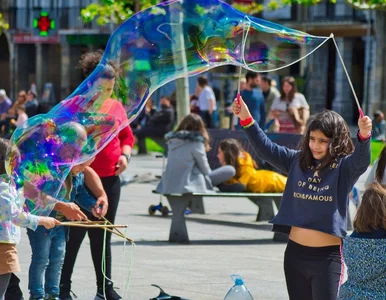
(108, 164)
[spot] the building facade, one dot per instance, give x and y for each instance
(44, 44)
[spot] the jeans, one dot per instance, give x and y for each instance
(112, 186)
(48, 250)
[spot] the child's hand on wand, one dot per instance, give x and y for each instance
(48, 222)
(365, 126)
(70, 210)
(100, 208)
(240, 109)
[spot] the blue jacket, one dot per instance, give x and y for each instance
(80, 195)
(366, 267)
(312, 199)
(255, 101)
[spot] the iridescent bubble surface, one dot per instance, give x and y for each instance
(155, 46)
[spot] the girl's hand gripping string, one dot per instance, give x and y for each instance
(365, 125)
(240, 109)
(238, 98)
(361, 115)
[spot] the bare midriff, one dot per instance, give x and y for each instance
(313, 238)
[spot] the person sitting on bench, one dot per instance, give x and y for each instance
(187, 169)
(230, 152)
(156, 126)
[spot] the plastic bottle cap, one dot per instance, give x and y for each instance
(239, 281)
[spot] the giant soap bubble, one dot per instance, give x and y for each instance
(160, 44)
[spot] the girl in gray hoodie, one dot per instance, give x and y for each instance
(187, 169)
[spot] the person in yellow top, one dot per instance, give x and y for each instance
(230, 152)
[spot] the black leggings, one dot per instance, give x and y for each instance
(13, 291)
(312, 273)
(112, 186)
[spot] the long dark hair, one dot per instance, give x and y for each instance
(232, 150)
(333, 126)
(291, 81)
(193, 122)
(371, 212)
(380, 171)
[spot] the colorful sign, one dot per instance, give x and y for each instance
(44, 23)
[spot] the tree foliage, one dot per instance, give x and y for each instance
(250, 9)
(368, 4)
(3, 24)
(113, 11)
(117, 11)
(360, 4)
(254, 8)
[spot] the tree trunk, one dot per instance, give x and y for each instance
(182, 98)
(182, 84)
(380, 59)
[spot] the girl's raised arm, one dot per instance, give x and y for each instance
(358, 162)
(279, 156)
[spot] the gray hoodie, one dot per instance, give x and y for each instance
(187, 167)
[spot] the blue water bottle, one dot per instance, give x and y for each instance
(239, 291)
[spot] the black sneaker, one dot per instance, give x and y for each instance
(65, 296)
(65, 292)
(110, 293)
(51, 297)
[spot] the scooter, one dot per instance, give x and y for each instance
(164, 210)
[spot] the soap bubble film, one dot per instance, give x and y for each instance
(160, 44)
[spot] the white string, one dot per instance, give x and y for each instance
(103, 267)
(345, 70)
(121, 265)
(275, 31)
(243, 41)
(238, 84)
(126, 286)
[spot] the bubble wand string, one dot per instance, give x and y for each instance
(361, 115)
(242, 56)
(119, 233)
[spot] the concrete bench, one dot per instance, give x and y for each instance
(267, 203)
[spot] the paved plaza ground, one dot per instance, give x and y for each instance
(223, 242)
